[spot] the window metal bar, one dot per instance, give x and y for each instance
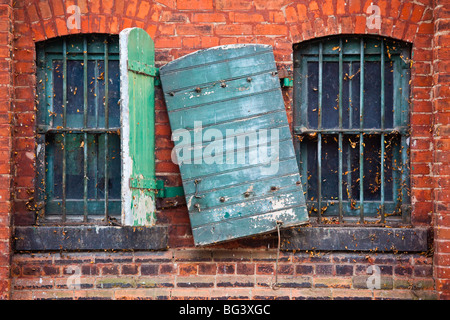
(64, 97)
(106, 79)
(382, 151)
(319, 138)
(404, 181)
(398, 130)
(85, 145)
(340, 106)
(350, 125)
(361, 138)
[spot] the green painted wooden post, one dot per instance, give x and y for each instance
(137, 68)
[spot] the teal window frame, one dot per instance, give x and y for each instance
(98, 144)
(312, 138)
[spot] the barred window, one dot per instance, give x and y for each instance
(351, 121)
(78, 123)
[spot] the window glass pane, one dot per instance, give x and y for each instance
(388, 95)
(372, 94)
(330, 95)
(114, 94)
(312, 78)
(92, 94)
(75, 96)
(114, 166)
(350, 167)
(53, 160)
(56, 116)
(354, 97)
(74, 166)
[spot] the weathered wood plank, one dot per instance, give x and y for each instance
(138, 126)
(214, 92)
(247, 226)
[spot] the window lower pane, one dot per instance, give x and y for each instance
(350, 179)
(71, 147)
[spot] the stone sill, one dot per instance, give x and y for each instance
(83, 238)
(373, 239)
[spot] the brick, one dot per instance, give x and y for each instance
(340, 6)
(245, 268)
(195, 282)
(168, 42)
(302, 12)
(58, 7)
(143, 10)
(197, 4)
(417, 13)
(207, 42)
(344, 270)
(333, 282)
(192, 42)
(235, 29)
(187, 269)
(194, 30)
(270, 4)
(226, 268)
(157, 256)
(149, 269)
(406, 11)
(270, 29)
(324, 269)
(44, 9)
(207, 269)
(234, 281)
(327, 8)
(291, 14)
(360, 25)
(110, 270)
(129, 269)
(107, 6)
(233, 4)
(304, 269)
(240, 17)
(110, 283)
(208, 17)
(265, 268)
(169, 16)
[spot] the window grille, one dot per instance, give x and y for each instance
(78, 126)
(351, 120)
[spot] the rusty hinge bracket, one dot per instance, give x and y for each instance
(136, 183)
(168, 192)
(157, 185)
(142, 68)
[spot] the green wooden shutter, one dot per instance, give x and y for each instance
(137, 65)
(233, 92)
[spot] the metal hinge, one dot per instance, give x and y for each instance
(142, 68)
(136, 183)
(168, 192)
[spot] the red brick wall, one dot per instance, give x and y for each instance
(6, 94)
(441, 146)
(180, 27)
